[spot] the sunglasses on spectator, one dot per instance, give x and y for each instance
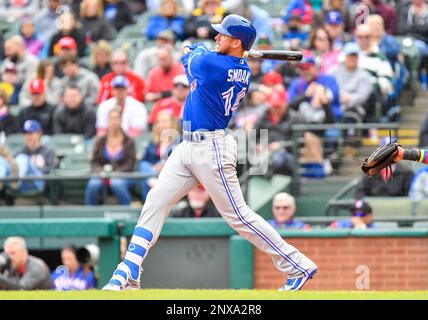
(281, 207)
(119, 62)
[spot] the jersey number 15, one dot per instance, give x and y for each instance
(228, 97)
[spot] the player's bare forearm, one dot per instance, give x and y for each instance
(417, 155)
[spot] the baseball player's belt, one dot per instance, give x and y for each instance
(199, 136)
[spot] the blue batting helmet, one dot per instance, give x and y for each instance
(237, 27)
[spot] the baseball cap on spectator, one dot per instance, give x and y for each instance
(37, 86)
(272, 78)
(333, 17)
(31, 126)
(360, 208)
(277, 98)
(308, 61)
(67, 43)
(9, 66)
(351, 48)
(119, 82)
(296, 14)
(181, 80)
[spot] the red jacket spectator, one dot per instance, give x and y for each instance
(160, 80)
(170, 103)
(135, 87)
(120, 67)
(175, 103)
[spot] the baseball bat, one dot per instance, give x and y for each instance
(283, 55)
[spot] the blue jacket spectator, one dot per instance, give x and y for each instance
(72, 274)
(34, 159)
(118, 13)
(334, 23)
(168, 18)
(301, 88)
(361, 217)
(301, 7)
(390, 48)
(284, 208)
(46, 18)
(33, 44)
(293, 31)
(419, 186)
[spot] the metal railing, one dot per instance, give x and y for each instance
(401, 221)
(52, 193)
(74, 176)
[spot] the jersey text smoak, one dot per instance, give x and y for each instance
(218, 83)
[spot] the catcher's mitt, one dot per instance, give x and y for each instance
(381, 158)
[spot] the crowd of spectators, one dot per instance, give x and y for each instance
(62, 73)
(20, 270)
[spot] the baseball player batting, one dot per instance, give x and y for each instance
(219, 80)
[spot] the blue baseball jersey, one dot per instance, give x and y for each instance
(218, 83)
(62, 279)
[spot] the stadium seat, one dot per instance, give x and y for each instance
(15, 109)
(386, 225)
(421, 208)
(421, 225)
(31, 198)
(136, 30)
(15, 142)
(275, 8)
(7, 26)
(262, 190)
(132, 45)
(411, 56)
(141, 143)
(69, 189)
(66, 144)
(390, 206)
